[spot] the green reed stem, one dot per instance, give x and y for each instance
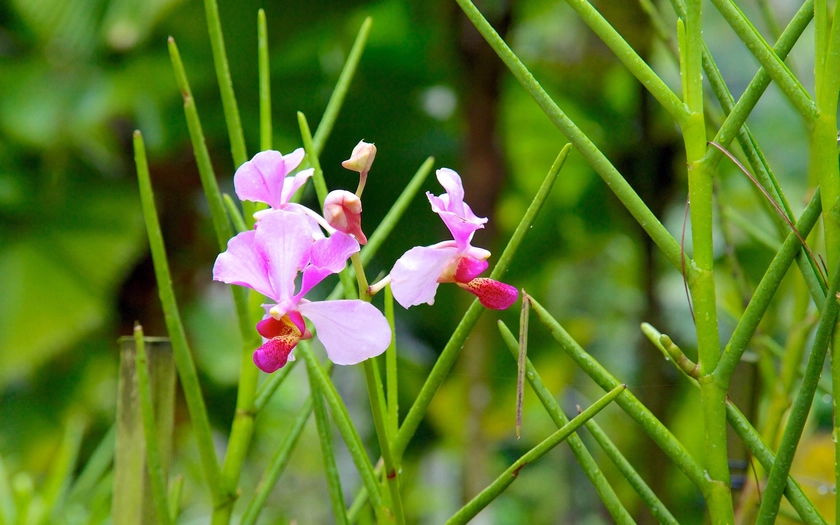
(266, 137)
(764, 455)
(772, 63)
(327, 452)
(487, 495)
(582, 455)
(345, 426)
(765, 291)
(312, 158)
(453, 347)
(802, 406)
(625, 193)
(150, 433)
(267, 389)
(180, 348)
(95, 468)
(276, 465)
(628, 402)
(337, 98)
(235, 214)
(393, 400)
(220, 61)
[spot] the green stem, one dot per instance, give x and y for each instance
(802, 406)
(150, 433)
(764, 293)
(487, 495)
(265, 82)
(628, 56)
(180, 347)
(220, 61)
(453, 347)
(312, 157)
(582, 455)
(620, 187)
(267, 389)
(95, 468)
(391, 368)
(327, 452)
(345, 426)
(276, 465)
(628, 402)
(765, 55)
(344, 79)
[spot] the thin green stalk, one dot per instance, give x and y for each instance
(753, 230)
(764, 455)
(243, 423)
(235, 214)
(625, 193)
(327, 452)
(267, 389)
(265, 82)
(95, 468)
(344, 79)
(453, 347)
(180, 347)
(772, 63)
(175, 490)
(378, 409)
(150, 433)
(220, 61)
(62, 467)
(628, 56)
(628, 402)
(487, 495)
(764, 293)
(579, 450)
(276, 465)
(802, 406)
(345, 426)
(391, 368)
(312, 157)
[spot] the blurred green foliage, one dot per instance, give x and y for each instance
(77, 76)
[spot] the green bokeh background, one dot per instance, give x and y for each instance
(78, 76)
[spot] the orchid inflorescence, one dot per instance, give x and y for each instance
(289, 239)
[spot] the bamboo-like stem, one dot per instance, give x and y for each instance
(345, 426)
(220, 61)
(764, 292)
(267, 389)
(266, 137)
(276, 465)
(619, 186)
(327, 122)
(487, 495)
(327, 452)
(579, 450)
(801, 407)
(453, 347)
(183, 358)
(628, 56)
(628, 402)
(763, 52)
(154, 464)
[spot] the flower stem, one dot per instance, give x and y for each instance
(265, 82)
(391, 370)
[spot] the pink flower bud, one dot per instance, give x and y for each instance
(362, 157)
(343, 211)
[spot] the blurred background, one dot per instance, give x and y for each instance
(78, 76)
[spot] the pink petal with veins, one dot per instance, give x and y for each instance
(262, 179)
(327, 256)
(414, 278)
(283, 239)
(350, 330)
(243, 264)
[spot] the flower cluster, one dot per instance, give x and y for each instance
(292, 249)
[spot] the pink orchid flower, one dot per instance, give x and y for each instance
(264, 179)
(268, 259)
(416, 275)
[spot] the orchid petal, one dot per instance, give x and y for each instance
(292, 184)
(261, 179)
(455, 213)
(284, 240)
(243, 264)
(350, 330)
(414, 278)
(469, 268)
(274, 353)
(327, 256)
